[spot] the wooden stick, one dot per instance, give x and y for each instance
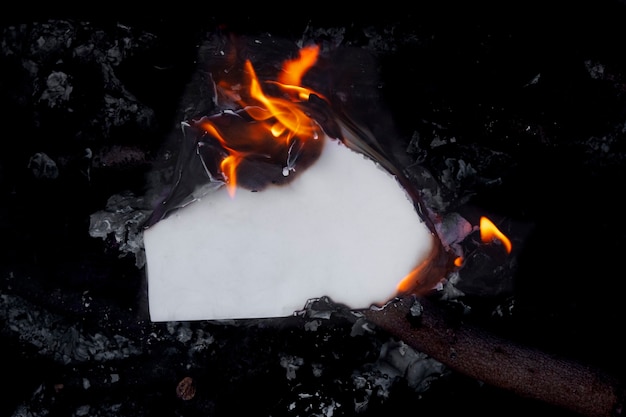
(474, 352)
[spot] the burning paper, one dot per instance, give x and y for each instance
(277, 203)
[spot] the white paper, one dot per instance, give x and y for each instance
(344, 228)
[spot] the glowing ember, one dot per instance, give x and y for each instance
(489, 232)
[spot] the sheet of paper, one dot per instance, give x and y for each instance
(344, 228)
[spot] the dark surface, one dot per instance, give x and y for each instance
(532, 100)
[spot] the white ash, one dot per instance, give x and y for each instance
(291, 365)
(452, 229)
(396, 363)
(329, 38)
(505, 309)
(123, 218)
(416, 309)
(58, 89)
(361, 327)
(39, 406)
(197, 339)
(596, 70)
(180, 330)
(436, 198)
(319, 308)
(456, 170)
(317, 408)
(61, 340)
(43, 167)
(312, 325)
(448, 290)
(399, 360)
(41, 48)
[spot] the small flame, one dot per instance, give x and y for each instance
(409, 281)
(489, 232)
(294, 69)
(279, 120)
(428, 274)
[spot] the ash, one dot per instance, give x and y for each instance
(488, 118)
(104, 369)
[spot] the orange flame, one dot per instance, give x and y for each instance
(489, 232)
(294, 69)
(409, 281)
(279, 119)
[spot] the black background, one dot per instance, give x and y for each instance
(448, 71)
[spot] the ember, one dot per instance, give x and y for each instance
(186, 390)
